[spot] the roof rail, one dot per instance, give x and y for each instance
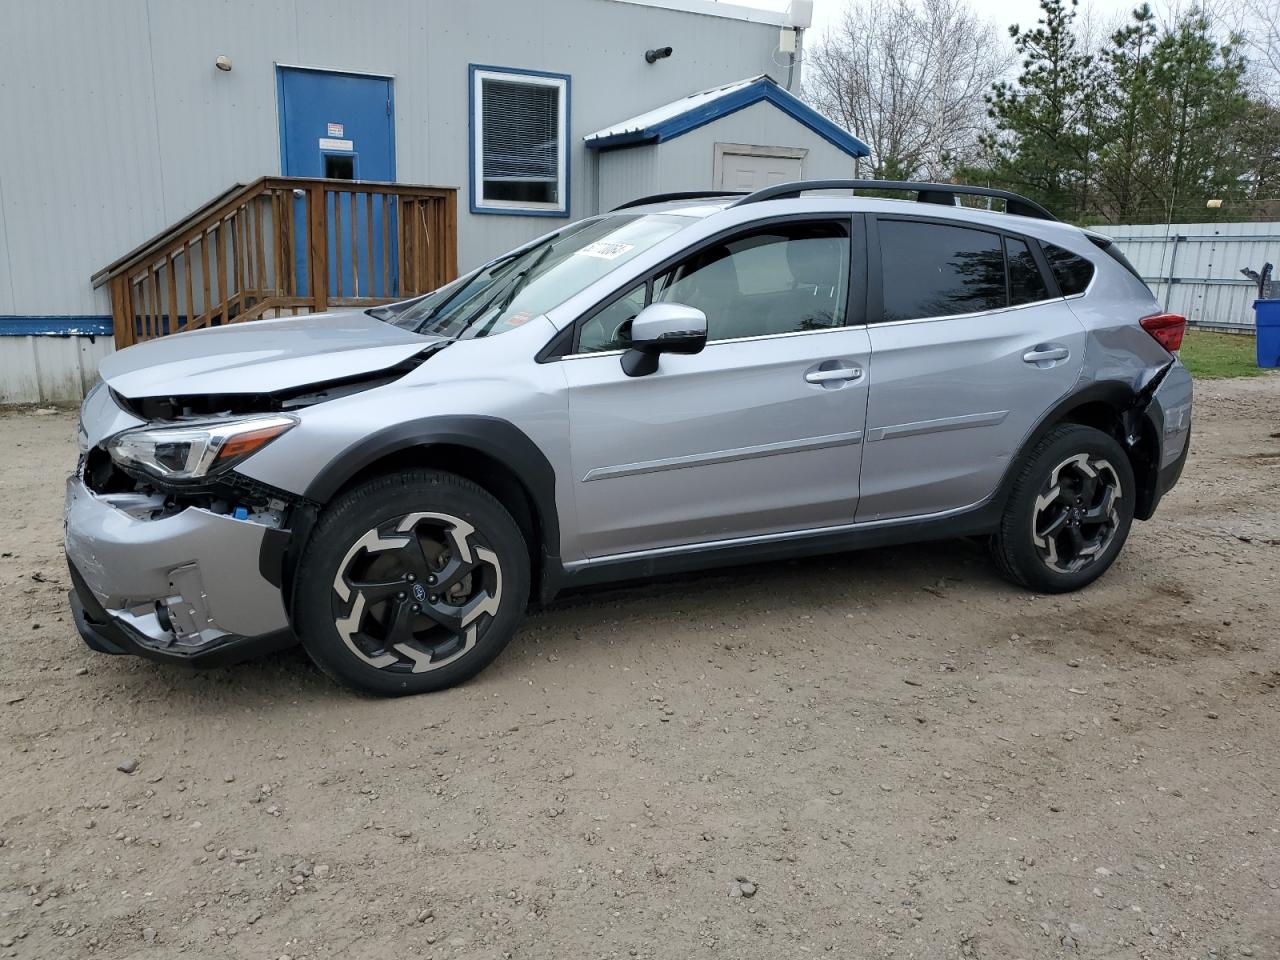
(942, 193)
(681, 195)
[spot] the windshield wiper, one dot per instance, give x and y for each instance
(383, 313)
(523, 275)
(507, 292)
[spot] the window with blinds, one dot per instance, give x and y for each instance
(520, 141)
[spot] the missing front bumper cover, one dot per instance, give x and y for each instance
(110, 635)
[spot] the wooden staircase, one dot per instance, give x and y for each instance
(282, 246)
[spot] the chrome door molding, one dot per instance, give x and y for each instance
(994, 418)
(723, 456)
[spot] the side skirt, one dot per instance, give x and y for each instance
(977, 521)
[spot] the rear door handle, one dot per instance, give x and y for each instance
(1045, 352)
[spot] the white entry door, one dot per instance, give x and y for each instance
(747, 168)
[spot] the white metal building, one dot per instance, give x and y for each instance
(123, 117)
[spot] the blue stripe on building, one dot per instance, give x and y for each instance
(55, 326)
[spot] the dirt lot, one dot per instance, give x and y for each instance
(899, 754)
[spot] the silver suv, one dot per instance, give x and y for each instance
(685, 382)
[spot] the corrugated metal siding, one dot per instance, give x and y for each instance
(1194, 268)
(49, 369)
(117, 123)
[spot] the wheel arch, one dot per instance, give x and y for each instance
(492, 453)
(1105, 406)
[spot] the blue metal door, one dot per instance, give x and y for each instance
(342, 126)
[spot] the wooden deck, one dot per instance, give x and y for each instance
(282, 246)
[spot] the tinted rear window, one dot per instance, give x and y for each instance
(932, 270)
(1026, 283)
(1072, 271)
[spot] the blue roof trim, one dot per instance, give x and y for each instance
(63, 326)
(762, 90)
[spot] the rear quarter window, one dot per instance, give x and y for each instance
(1072, 271)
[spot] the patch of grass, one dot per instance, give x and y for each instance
(1214, 355)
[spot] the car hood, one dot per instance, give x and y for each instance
(262, 356)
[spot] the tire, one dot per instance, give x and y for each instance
(1069, 511)
(411, 582)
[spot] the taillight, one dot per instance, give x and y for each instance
(1167, 328)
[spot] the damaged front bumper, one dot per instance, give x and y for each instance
(189, 586)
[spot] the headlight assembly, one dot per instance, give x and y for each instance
(193, 450)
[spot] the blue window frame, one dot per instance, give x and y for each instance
(519, 141)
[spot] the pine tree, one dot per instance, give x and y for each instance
(1045, 121)
(1197, 97)
(1126, 107)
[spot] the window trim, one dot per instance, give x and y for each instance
(477, 73)
(855, 307)
(875, 272)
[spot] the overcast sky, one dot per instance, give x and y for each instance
(1003, 12)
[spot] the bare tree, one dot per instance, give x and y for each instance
(908, 77)
(1260, 23)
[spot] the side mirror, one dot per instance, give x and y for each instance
(663, 328)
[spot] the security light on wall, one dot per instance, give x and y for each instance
(223, 63)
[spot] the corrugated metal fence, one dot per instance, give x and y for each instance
(1194, 268)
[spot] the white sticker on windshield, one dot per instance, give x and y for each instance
(605, 250)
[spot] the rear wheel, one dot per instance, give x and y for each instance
(1069, 512)
(412, 582)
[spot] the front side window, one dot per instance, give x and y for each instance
(519, 142)
(783, 278)
(936, 270)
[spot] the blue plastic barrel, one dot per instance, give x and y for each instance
(1266, 315)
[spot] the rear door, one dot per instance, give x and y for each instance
(972, 347)
(758, 434)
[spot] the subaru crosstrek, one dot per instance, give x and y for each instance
(685, 382)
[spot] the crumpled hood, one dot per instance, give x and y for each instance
(262, 356)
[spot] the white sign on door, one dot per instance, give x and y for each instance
(335, 130)
(327, 143)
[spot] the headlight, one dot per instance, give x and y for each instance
(195, 450)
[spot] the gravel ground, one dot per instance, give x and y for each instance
(886, 754)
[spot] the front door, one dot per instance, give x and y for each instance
(758, 434)
(969, 355)
(342, 126)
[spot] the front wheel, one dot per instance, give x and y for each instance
(1069, 511)
(412, 582)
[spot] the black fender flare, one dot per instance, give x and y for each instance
(1131, 407)
(498, 439)
(495, 438)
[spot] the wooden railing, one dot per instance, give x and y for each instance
(282, 246)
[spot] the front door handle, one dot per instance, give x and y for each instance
(821, 376)
(1045, 353)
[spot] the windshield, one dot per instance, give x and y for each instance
(514, 289)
